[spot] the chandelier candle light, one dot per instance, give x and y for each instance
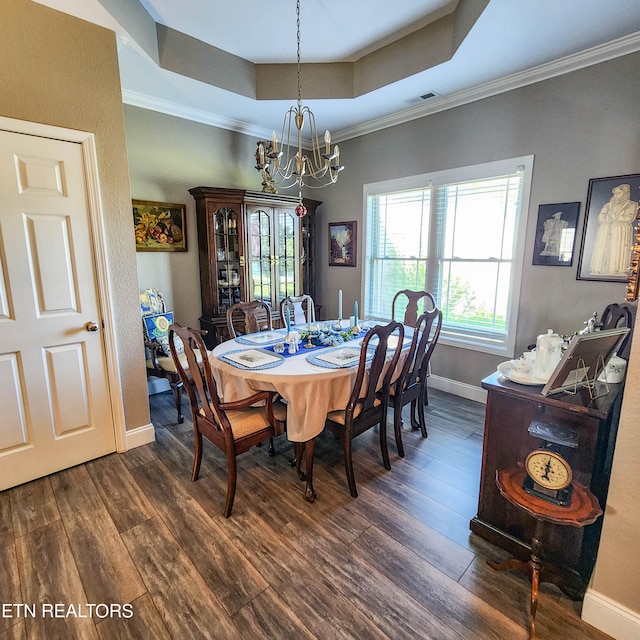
(289, 163)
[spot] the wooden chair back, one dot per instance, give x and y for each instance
(411, 306)
(300, 309)
(617, 315)
(425, 338)
(248, 317)
(366, 392)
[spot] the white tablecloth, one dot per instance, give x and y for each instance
(311, 391)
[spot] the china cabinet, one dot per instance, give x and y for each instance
(252, 246)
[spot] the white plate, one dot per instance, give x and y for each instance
(507, 371)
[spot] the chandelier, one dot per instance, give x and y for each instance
(288, 163)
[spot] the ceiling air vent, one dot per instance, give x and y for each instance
(422, 98)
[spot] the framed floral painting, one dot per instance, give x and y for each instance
(159, 226)
(609, 228)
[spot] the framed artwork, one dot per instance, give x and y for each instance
(556, 234)
(159, 226)
(586, 356)
(342, 244)
(609, 228)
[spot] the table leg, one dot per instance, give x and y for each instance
(535, 563)
(309, 493)
(299, 448)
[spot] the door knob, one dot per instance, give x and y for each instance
(91, 326)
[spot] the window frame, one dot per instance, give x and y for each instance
(467, 339)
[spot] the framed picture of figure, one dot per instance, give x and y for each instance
(608, 236)
(556, 234)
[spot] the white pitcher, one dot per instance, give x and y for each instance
(548, 354)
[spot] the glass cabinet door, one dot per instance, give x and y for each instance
(288, 256)
(227, 248)
(275, 255)
(261, 258)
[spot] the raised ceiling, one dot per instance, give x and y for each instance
(232, 64)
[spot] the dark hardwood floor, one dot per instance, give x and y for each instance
(132, 533)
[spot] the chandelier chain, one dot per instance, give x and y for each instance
(298, 52)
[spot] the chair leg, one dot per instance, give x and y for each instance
(383, 441)
(232, 475)
(197, 455)
(348, 466)
(397, 427)
(299, 449)
(272, 449)
(413, 413)
(176, 387)
(422, 401)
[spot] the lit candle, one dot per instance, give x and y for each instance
(261, 153)
(327, 142)
(274, 143)
(355, 314)
(340, 304)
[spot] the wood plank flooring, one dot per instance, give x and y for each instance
(132, 534)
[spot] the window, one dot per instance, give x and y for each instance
(458, 234)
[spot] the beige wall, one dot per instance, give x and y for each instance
(617, 571)
(58, 70)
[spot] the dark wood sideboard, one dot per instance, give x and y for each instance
(511, 408)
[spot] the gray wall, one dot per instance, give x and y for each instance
(578, 126)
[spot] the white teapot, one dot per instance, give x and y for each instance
(548, 354)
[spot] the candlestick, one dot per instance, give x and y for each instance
(339, 304)
(355, 314)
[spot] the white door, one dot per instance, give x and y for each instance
(55, 408)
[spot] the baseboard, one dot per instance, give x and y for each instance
(458, 388)
(610, 616)
(140, 435)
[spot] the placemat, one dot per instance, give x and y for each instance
(252, 359)
(337, 358)
(262, 338)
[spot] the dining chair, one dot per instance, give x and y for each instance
(156, 321)
(369, 397)
(411, 306)
(233, 427)
(620, 315)
(248, 317)
(411, 385)
(300, 309)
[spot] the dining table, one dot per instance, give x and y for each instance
(312, 381)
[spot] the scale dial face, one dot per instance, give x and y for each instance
(549, 469)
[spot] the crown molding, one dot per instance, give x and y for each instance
(589, 57)
(169, 108)
(595, 55)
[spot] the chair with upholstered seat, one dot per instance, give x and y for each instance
(248, 317)
(411, 385)
(412, 305)
(369, 398)
(156, 321)
(299, 309)
(233, 427)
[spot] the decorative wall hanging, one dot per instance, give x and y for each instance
(556, 234)
(609, 228)
(342, 244)
(159, 226)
